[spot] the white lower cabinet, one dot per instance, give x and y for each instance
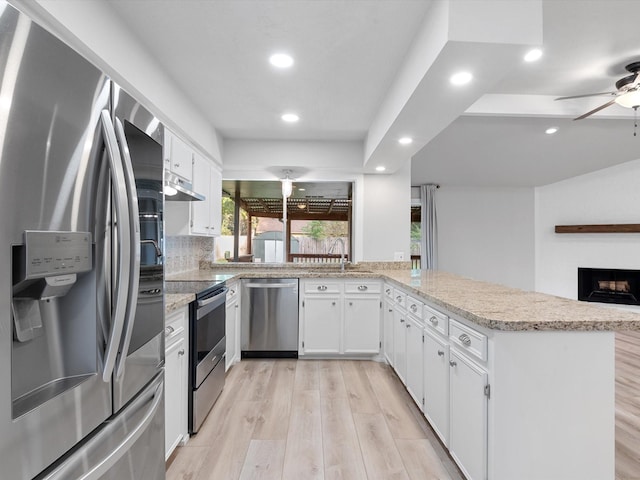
(362, 324)
(387, 320)
(400, 343)
(322, 319)
(175, 380)
(232, 326)
(340, 317)
(415, 361)
(468, 416)
(436, 384)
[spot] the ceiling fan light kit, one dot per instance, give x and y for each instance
(627, 94)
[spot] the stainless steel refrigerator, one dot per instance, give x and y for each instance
(81, 289)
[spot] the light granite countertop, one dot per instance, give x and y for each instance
(488, 305)
(174, 301)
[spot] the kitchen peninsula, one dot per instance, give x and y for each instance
(545, 367)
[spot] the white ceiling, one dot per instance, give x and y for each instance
(363, 72)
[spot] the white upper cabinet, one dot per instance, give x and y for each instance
(207, 180)
(178, 156)
(194, 217)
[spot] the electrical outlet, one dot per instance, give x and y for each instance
(398, 256)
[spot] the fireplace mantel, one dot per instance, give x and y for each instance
(603, 228)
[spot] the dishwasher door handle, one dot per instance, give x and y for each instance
(271, 285)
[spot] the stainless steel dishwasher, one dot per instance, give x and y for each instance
(269, 322)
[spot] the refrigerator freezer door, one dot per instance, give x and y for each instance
(140, 137)
(128, 447)
(52, 178)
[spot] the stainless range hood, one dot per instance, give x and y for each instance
(177, 189)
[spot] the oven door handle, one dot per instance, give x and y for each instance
(207, 301)
(271, 285)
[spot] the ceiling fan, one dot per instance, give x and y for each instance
(627, 94)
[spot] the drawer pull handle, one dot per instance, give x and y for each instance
(441, 353)
(333, 303)
(362, 288)
(350, 304)
(322, 288)
(169, 330)
(391, 310)
(414, 308)
(181, 352)
(465, 339)
(387, 291)
(398, 298)
(452, 363)
(408, 325)
(177, 165)
(402, 320)
(434, 320)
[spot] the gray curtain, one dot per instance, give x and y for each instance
(429, 228)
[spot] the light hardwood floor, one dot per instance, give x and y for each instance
(313, 419)
(628, 406)
(350, 420)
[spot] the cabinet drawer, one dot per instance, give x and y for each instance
(174, 329)
(365, 286)
(436, 320)
(414, 306)
(232, 293)
(399, 298)
(468, 340)
(388, 291)
(321, 286)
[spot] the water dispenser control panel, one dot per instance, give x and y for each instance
(50, 253)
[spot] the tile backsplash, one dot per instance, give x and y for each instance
(184, 253)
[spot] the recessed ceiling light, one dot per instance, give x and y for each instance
(380, 168)
(281, 60)
(405, 140)
(533, 55)
(461, 78)
(290, 117)
(551, 130)
(301, 189)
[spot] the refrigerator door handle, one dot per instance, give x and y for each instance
(96, 469)
(134, 246)
(123, 236)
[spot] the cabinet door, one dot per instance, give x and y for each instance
(388, 331)
(468, 416)
(215, 201)
(399, 343)
(174, 373)
(415, 360)
(200, 211)
(181, 157)
(436, 384)
(231, 332)
(362, 324)
(321, 326)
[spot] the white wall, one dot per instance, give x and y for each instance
(387, 215)
(96, 32)
(309, 159)
(607, 196)
(487, 234)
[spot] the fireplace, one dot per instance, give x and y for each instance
(606, 285)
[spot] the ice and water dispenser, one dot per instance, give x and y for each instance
(54, 316)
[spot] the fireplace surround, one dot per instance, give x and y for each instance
(607, 285)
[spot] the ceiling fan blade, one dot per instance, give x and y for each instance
(636, 81)
(597, 109)
(587, 95)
